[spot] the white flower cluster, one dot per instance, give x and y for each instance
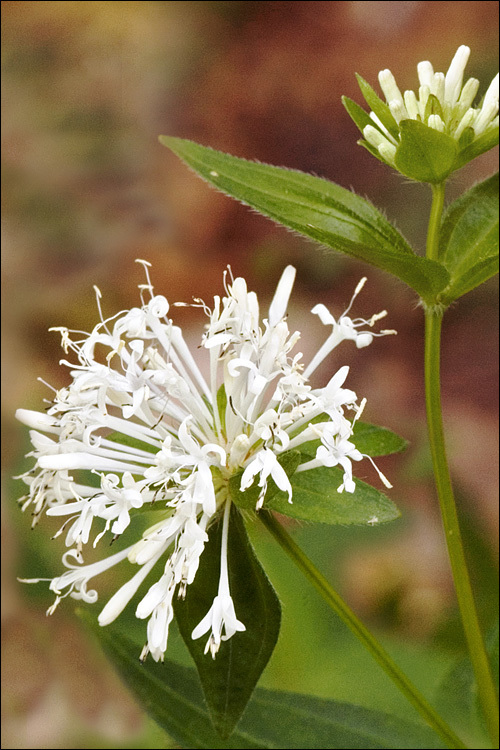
(442, 103)
(139, 427)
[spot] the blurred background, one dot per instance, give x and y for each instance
(87, 89)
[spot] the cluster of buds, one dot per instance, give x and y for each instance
(443, 105)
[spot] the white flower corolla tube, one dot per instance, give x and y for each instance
(139, 428)
(443, 102)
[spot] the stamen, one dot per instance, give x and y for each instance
(359, 287)
(383, 478)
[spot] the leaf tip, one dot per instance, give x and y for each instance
(170, 142)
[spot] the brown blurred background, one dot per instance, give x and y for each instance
(87, 89)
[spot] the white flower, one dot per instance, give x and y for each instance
(221, 614)
(441, 103)
(140, 428)
(265, 465)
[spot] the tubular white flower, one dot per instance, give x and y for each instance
(265, 465)
(221, 615)
(344, 329)
(389, 87)
(139, 427)
(279, 304)
(121, 598)
(379, 140)
(455, 75)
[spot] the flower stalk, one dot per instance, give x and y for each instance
(337, 604)
(468, 612)
(438, 194)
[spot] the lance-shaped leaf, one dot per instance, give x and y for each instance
(315, 498)
(229, 679)
(469, 238)
(171, 694)
(373, 440)
(318, 209)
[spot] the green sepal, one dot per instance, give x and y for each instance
(359, 115)
(424, 154)
(132, 442)
(480, 145)
(433, 107)
(378, 107)
(373, 151)
(221, 406)
(465, 139)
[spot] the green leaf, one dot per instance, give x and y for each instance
(229, 680)
(469, 238)
(424, 154)
(373, 440)
(292, 720)
(368, 439)
(475, 276)
(433, 107)
(457, 695)
(318, 209)
(171, 694)
(315, 498)
(493, 647)
(479, 146)
(379, 107)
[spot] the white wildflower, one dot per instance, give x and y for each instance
(221, 614)
(140, 428)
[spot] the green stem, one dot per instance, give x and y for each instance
(438, 192)
(367, 639)
(477, 651)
